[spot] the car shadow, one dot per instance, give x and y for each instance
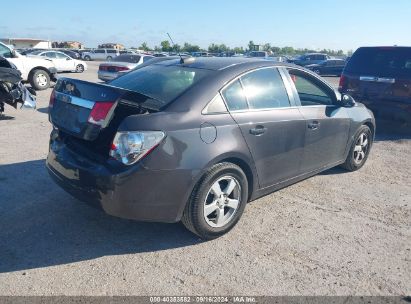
(389, 130)
(6, 117)
(41, 225)
(44, 110)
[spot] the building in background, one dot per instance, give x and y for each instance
(68, 45)
(21, 43)
(117, 46)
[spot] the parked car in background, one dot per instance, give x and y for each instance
(330, 67)
(62, 62)
(72, 53)
(39, 72)
(101, 54)
(380, 77)
(259, 54)
(312, 58)
(196, 140)
(122, 52)
(110, 70)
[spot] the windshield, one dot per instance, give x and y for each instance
(160, 82)
(36, 52)
(382, 62)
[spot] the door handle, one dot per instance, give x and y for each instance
(258, 130)
(314, 125)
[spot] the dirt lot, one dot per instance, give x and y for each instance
(337, 233)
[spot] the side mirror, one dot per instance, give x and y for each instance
(68, 58)
(347, 101)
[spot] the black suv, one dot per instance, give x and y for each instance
(380, 77)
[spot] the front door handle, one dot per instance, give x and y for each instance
(314, 125)
(258, 130)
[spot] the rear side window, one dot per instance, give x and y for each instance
(234, 97)
(264, 89)
(112, 51)
(99, 51)
(382, 62)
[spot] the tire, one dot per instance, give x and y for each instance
(87, 58)
(109, 58)
(226, 212)
(317, 72)
(39, 80)
(79, 68)
(359, 151)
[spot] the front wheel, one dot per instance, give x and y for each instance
(39, 80)
(217, 202)
(360, 149)
(87, 58)
(79, 68)
(109, 58)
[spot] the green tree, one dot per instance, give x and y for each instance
(267, 47)
(165, 46)
(190, 48)
(251, 45)
(144, 46)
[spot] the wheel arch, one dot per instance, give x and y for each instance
(38, 68)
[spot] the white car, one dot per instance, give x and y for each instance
(38, 71)
(63, 62)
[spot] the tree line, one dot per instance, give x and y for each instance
(165, 46)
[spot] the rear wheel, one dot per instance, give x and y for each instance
(87, 58)
(360, 149)
(109, 58)
(317, 71)
(217, 202)
(39, 80)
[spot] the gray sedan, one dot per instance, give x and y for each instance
(196, 139)
(112, 69)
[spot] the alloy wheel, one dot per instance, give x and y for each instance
(222, 201)
(361, 148)
(41, 80)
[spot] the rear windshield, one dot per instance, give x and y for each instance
(382, 62)
(162, 83)
(127, 58)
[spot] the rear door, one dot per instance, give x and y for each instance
(327, 125)
(271, 125)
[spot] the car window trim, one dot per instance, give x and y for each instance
(238, 77)
(311, 74)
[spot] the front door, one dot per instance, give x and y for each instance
(327, 124)
(273, 129)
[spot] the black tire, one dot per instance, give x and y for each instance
(193, 216)
(79, 68)
(87, 58)
(39, 80)
(350, 163)
(109, 58)
(317, 72)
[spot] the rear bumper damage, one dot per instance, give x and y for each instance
(131, 192)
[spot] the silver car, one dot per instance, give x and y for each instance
(110, 70)
(101, 54)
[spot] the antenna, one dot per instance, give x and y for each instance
(178, 51)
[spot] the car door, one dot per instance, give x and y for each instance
(66, 62)
(56, 62)
(327, 124)
(272, 126)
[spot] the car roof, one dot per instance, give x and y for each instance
(221, 63)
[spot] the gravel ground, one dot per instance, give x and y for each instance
(337, 233)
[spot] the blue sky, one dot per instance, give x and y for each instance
(342, 24)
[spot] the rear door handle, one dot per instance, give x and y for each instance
(314, 125)
(258, 130)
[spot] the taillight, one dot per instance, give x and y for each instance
(52, 98)
(343, 81)
(100, 113)
(130, 147)
(103, 68)
(119, 69)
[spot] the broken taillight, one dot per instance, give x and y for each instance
(100, 113)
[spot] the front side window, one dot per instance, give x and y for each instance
(264, 89)
(234, 97)
(51, 55)
(310, 91)
(61, 56)
(99, 51)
